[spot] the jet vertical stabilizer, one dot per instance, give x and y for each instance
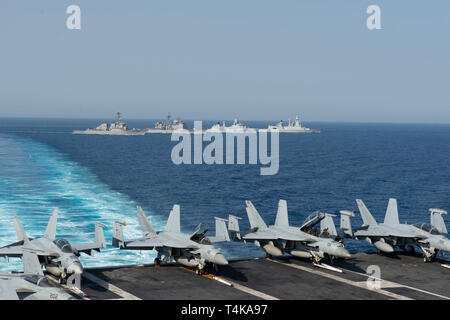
(282, 218)
(437, 220)
(173, 223)
(117, 238)
(327, 224)
(31, 263)
(392, 212)
(221, 231)
(233, 227)
(365, 214)
(99, 235)
(254, 218)
(21, 234)
(146, 226)
(346, 225)
(50, 232)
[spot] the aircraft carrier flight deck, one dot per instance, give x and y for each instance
(403, 277)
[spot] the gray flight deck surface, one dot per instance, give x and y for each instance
(404, 276)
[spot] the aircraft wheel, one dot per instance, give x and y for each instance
(198, 272)
(157, 262)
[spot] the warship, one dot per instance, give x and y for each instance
(116, 128)
(236, 127)
(167, 126)
(292, 127)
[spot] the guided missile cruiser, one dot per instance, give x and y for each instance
(191, 250)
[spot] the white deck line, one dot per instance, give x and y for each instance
(362, 285)
(110, 287)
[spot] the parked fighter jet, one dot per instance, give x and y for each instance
(391, 233)
(30, 285)
(59, 257)
(193, 250)
(281, 238)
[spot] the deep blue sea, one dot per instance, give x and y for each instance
(103, 178)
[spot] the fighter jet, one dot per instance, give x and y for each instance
(282, 238)
(193, 251)
(391, 233)
(30, 285)
(59, 257)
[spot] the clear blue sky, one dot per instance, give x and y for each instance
(210, 59)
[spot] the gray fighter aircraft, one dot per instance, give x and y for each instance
(59, 257)
(30, 285)
(194, 250)
(282, 238)
(391, 233)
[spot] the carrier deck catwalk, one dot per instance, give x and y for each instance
(403, 277)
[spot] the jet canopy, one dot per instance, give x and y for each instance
(64, 245)
(199, 234)
(313, 219)
(427, 228)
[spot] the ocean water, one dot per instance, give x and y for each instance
(103, 178)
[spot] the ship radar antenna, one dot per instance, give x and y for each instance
(119, 116)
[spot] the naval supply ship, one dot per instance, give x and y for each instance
(292, 127)
(116, 128)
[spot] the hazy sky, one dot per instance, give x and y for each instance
(211, 59)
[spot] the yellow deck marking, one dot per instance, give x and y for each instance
(237, 286)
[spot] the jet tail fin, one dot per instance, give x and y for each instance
(99, 235)
(346, 225)
(50, 232)
(391, 216)
(327, 225)
(254, 218)
(282, 218)
(367, 217)
(233, 227)
(221, 231)
(173, 223)
(146, 226)
(21, 235)
(117, 238)
(437, 219)
(31, 264)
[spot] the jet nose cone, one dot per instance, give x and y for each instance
(343, 253)
(220, 259)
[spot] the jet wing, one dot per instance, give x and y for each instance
(378, 232)
(275, 235)
(86, 247)
(13, 251)
(150, 243)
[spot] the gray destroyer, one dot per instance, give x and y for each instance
(116, 128)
